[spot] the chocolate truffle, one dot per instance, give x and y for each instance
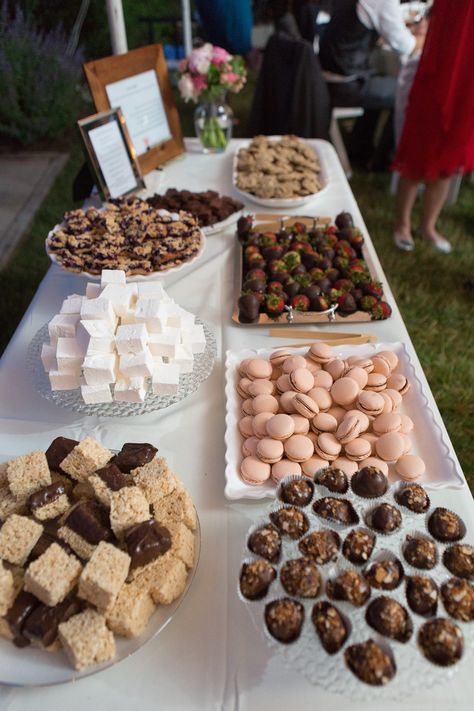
(441, 642)
(370, 663)
(389, 618)
(255, 579)
(349, 585)
(458, 599)
(413, 497)
(284, 619)
(384, 574)
(333, 479)
(330, 626)
(58, 451)
(420, 552)
(322, 546)
(133, 455)
(300, 577)
(358, 545)
(266, 541)
(422, 595)
(298, 492)
(385, 518)
(338, 510)
(290, 522)
(146, 541)
(369, 482)
(446, 526)
(459, 560)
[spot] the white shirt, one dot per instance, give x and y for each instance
(385, 17)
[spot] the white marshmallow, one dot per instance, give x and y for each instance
(133, 291)
(136, 364)
(92, 290)
(95, 394)
(69, 355)
(100, 369)
(63, 381)
(153, 313)
(187, 319)
(164, 344)
(62, 326)
(133, 390)
(195, 337)
(131, 338)
(48, 357)
(120, 298)
(98, 309)
(112, 276)
(95, 336)
(165, 379)
(72, 305)
(184, 358)
(152, 290)
(128, 318)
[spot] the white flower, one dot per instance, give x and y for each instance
(186, 87)
(200, 59)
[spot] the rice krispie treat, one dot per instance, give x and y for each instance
(182, 543)
(155, 479)
(85, 458)
(86, 639)
(107, 480)
(49, 502)
(9, 505)
(7, 589)
(128, 506)
(3, 474)
(104, 575)
(53, 575)
(169, 581)
(18, 536)
(176, 508)
(131, 611)
(28, 473)
(84, 526)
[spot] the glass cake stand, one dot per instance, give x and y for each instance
(31, 666)
(72, 400)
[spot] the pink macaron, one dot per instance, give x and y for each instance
(388, 402)
(323, 379)
(265, 403)
(395, 397)
(285, 467)
(280, 427)
(260, 387)
(301, 380)
(242, 387)
(390, 446)
(362, 417)
(258, 368)
(312, 366)
(376, 382)
(410, 467)
(294, 362)
(305, 405)
(323, 422)
(249, 446)
(397, 381)
(321, 397)
(313, 465)
(345, 391)
(301, 424)
(371, 439)
(245, 426)
(321, 353)
(407, 424)
(365, 363)
(254, 472)
(298, 448)
(348, 430)
(283, 384)
(370, 403)
(277, 358)
(269, 450)
(287, 401)
(259, 424)
(247, 406)
(337, 412)
(359, 375)
(348, 467)
(336, 368)
(327, 447)
(388, 422)
(391, 357)
(381, 365)
(358, 449)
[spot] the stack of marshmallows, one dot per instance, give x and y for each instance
(121, 335)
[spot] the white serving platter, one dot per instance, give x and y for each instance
(429, 440)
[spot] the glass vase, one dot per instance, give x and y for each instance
(213, 125)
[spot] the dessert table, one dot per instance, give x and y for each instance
(210, 656)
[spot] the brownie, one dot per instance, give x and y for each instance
(384, 574)
(284, 619)
(330, 626)
(441, 642)
(333, 479)
(349, 585)
(414, 498)
(370, 663)
(255, 579)
(420, 552)
(422, 595)
(385, 518)
(338, 510)
(290, 522)
(389, 618)
(459, 560)
(369, 482)
(358, 545)
(134, 455)
(458, 599)
(207, 207)
(297, 492)
(300, 577)
(446, 526)
(266, 542)
(322, 546)
(146, 541)
(58, 450)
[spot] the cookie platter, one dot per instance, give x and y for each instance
(428, 440)
(378, 641)
(281, 202)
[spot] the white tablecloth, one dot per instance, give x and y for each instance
(210, 656)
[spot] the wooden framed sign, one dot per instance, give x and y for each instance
(111, 153)
(137, 83)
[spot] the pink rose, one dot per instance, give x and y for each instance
(220, 56)
(199, 84)
(200, 59)
(229, 78)
(186, 87)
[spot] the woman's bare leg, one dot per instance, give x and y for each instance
(433, 200)
(405, 199)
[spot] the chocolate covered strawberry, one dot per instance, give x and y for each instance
(291, 259)
(274, 305)
(373, 288)
(267, 239)
(381, 311)
(320, 303)
(256, 274)
(300, 302)
(367, 303)
(249, 307)
(343, 284)
(275, 287)
(347, 303)
(344, 219)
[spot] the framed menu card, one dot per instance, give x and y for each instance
(137, 83)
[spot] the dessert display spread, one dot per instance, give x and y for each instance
(121, 342)
(278, 168)
(306, 269)
(208, 207)
(337, 591)
(317, 412)
(90, 544)
(127, 234)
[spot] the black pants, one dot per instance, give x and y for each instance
(375, 94)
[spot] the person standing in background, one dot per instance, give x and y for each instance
(227, 24)
(437, 139)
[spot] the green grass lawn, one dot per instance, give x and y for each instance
(428, 286)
